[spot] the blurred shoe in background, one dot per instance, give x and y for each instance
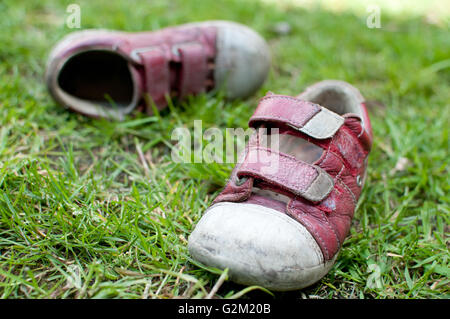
(104, 73)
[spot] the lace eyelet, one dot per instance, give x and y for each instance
(358, 180)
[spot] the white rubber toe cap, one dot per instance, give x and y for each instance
(243, 59)
(259, 245)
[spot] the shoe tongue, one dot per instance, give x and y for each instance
(267, 199)
(285, 142)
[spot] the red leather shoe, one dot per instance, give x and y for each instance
(285, 212)
(105, 73)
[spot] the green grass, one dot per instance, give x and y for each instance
(82, 215)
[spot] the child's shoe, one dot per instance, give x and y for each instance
(285, 212)
(105, 73)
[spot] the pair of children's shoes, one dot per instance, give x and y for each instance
(282, 217)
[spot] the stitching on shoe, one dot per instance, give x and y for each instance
(348, 188)
(317, 234)
(340, 172)
(334, 231)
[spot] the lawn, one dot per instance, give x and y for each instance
(98, 209)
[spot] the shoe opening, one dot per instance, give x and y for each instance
(99, 77)
(337, 96)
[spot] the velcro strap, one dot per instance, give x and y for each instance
(309, 118)
(286, 172)
(157, 74)
(194, 68)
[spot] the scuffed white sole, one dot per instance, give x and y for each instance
(243, 59)
(259, 245)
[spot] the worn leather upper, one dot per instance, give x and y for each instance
(174, 61)
(322, 195)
